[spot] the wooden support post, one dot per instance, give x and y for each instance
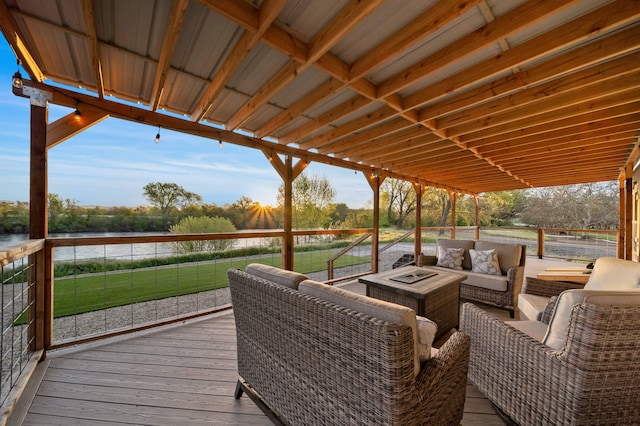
(375, 180)
(40, 333)
(417, 250)
(288, 172)
(453, 195)
(540, 243)
(476, 201)
(621, 220)
(628, 222)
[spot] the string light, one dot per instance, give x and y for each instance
(16, 80)
(220, 144)
(77, 112)
(158, 134)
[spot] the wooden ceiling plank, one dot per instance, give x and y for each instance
(426, 23)
(426, 150)
(610, 16)
(599, 50)
(586, 84)
(94, 48)
(265, 15)
(562, 156)
(512, 21)
(176, 17)
(18, 45)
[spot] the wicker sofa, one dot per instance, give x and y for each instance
(307, 360)
(496, 290)
(578, 365)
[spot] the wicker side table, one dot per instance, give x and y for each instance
(437, 297)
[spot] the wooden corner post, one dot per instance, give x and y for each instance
(417, 250)
(375, 180)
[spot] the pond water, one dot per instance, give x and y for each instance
(117, 251)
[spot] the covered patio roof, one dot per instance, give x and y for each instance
(469, 95)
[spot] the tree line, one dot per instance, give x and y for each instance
(574, 206)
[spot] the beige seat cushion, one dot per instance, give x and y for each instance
(610, 273)
(558, 326)
(375, 308)
(531, 305)
(279, 276)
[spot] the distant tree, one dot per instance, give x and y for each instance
(203, 225)
(169, 196)
(593, 205)
(398, 198)
(312, 202)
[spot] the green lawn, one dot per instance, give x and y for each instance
(76, 295)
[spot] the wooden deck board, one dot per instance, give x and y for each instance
(182, 375)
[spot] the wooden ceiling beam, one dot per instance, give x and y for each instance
(363, 122)
(608, 17)
(603, 127)
(623, 104)
(427, 22)
(176, 17)
(599, 50)
(549, 108)
(343, 22)
(595, 120)
(308, 129)
(17, 43)
(94, 48)
(576, 142)
(263, 18)
(378, 132)
(602, 152)
(511, 22)
(72, 124)
(588, 83)
(388, 142)
(320, 93)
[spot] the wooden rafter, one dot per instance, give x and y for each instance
(90, 26)
(176, 17)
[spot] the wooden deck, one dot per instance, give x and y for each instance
(183, 375)
(179, 375)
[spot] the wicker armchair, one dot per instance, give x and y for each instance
(307, 361)
(586, 375)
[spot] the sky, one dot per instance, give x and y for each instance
(110, 163)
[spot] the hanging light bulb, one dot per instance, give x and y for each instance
(220, 144)
(16, 80)
(158, 135)
(77, 113)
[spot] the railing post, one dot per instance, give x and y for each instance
(540, 243)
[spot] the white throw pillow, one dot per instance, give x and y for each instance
(427, 330)
(485, 262)
(450, 258)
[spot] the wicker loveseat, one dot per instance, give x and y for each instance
(581, 368)
(496, 290)
(306, 360)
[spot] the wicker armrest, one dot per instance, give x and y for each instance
(442, 382)
(547, 288)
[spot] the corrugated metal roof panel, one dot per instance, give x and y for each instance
(126, 73)
(182, 91)
(332, 102)
(292, 125)
(257, 69)
(302, 85)
(225, 105)
(263, 115)
(205, 41)
(307, 18)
